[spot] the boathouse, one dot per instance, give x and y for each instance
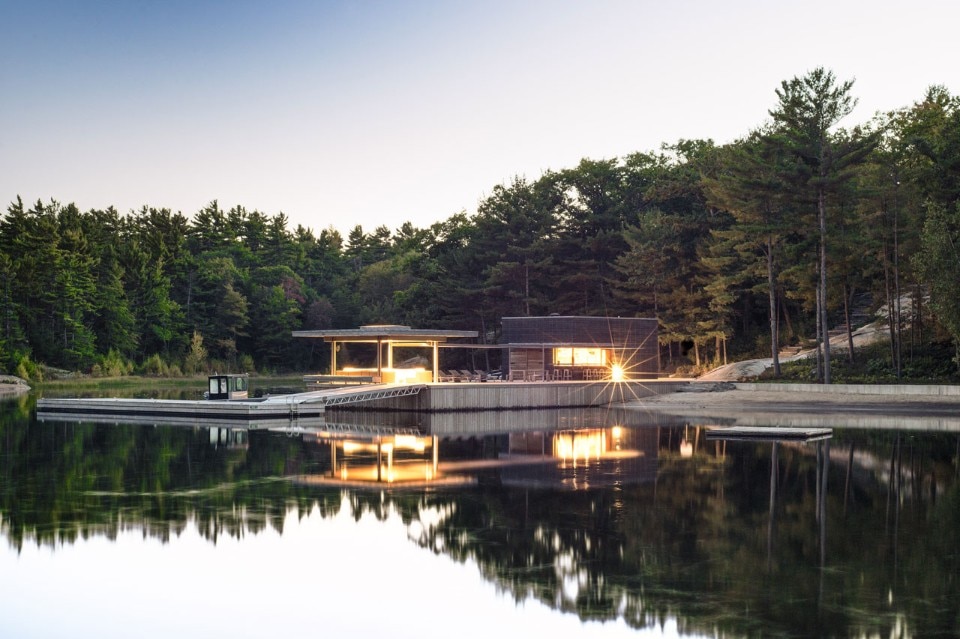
(558, 347)
(390, 342)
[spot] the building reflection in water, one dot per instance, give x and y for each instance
(231, 438)
(576, 457)
(723, 530)
(582, 458)
(357, 458)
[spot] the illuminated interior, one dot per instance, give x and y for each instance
(390, 375)
(580, 445)
(589, 444)
(580, 356)
(387, 459)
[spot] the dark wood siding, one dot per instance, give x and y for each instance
(633, 340)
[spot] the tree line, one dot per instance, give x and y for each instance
(744, 247)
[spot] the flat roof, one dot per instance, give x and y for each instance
(386, 332)
(577, 317)
(549, 345)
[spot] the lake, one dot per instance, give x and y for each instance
(563, 523)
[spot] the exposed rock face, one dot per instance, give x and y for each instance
(11, 385)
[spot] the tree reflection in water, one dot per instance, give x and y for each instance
(857, 537)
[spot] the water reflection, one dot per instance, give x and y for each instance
(601, 516)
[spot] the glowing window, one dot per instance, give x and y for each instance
(580, 356)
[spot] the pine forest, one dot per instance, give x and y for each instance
(739, 250)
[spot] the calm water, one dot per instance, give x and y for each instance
(636, 529)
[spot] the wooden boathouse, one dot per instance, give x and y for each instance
(560, 362)
(569, 348)
(386, 340)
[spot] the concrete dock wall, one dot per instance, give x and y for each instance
(897, 390)
(495, 396)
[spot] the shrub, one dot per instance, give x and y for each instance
(24, 368)
(246, 364)
(196, 356)
(155, 366)
(112, 365)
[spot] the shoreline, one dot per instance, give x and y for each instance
(726, 393)
(11, 386)
(754, 402)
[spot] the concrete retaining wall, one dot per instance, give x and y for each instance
(857, 389)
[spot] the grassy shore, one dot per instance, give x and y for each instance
(172, 383)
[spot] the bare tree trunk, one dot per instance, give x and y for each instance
(890, 326)
(847, 298)
(916, 317)
(896, 289)
(483, 340)
(822, 206)
(774, 327)
(526, 287)
(786, 317)
(819, 339)
(919, 317)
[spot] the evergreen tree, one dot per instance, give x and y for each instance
(808, 110)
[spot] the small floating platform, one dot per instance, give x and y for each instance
(768, 433)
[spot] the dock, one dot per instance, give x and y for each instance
(768, 434)
(410, 398)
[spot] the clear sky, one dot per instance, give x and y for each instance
(366, 112)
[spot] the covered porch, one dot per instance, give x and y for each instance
(387, 339)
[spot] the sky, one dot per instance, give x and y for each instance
(341, 113)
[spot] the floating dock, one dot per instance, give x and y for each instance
(412, 398)
(769, 434)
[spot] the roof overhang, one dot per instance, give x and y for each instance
(509, 345)
(386, 333)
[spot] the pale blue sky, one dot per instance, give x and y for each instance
(344, 113)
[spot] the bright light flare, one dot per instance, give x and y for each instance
(617, 373)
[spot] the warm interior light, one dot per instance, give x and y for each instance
(617, 373)
(410, 442)
(380, 462)
(565, 356)
(580, 445)
(351, 446)
(406, 375)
